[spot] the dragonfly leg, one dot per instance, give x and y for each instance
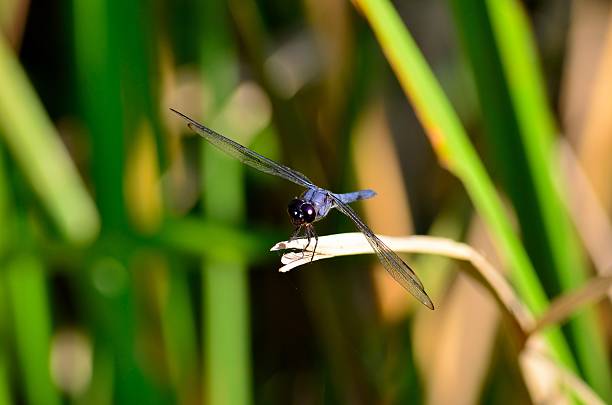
(296, 233)
(316, 238)
(308, 235)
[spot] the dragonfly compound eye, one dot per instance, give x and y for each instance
(308, 212)
(295, 213)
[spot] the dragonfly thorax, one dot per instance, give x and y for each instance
(301, 212)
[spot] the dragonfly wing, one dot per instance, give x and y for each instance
(397, 268)
(245, 155)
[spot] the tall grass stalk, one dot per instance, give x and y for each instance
(5, 393)
(98, 70)
(104, 35)
(34, 143)
(5, 239)
(455, 152)
(26, 282)
(225, 305)
(563, 258)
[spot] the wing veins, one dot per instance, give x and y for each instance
(395, 266)
(245, 155)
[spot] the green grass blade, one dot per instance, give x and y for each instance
(562, 259)
(5, 397)
(115, 105)
(98, 71)
(225, 282)
(5, 219)
(455, 151)
(227, 343)
(225, 290)
(5, 206)
(106, 293)
(25, 277)
(179, 332)
(35, 145)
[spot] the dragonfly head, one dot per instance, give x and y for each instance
(301, 212)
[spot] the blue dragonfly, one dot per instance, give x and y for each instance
(314, 204)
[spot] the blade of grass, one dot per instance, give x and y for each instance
(35, 145)
(225, 290)
(139, 78)
(109, 303)
(5, 215)
(5, 393)
(455, 151)
(5, 219)
(25, 278)
(549, 235)
(98, 78)
(179, 332)
(227, 364)
(104, 35)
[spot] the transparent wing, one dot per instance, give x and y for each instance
(246, 155)
(399, 270)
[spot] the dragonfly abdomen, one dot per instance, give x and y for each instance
(348, 198)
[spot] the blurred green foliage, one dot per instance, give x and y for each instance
(134, 263)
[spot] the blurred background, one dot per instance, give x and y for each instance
(134, 258)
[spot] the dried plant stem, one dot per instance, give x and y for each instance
(354, 243)
(546, 378)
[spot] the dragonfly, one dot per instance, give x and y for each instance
(314, 204)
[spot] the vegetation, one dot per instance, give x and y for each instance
(134, 257)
